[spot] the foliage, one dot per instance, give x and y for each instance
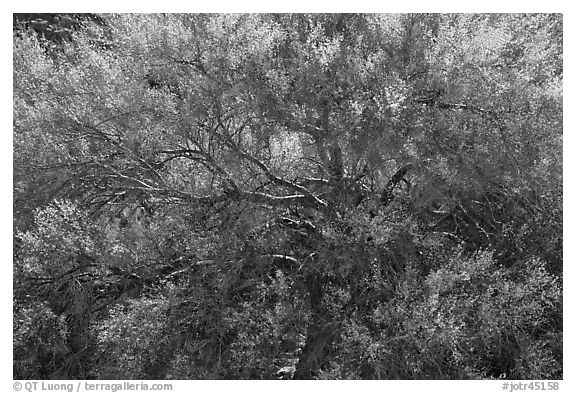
(39, 341)
(287, 196)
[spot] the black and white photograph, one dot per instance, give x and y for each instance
(287, 196)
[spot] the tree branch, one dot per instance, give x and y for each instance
(388, 193)
(432, 101)
(272, 177)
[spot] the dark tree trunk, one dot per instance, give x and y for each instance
(319, 335)
(388, 192)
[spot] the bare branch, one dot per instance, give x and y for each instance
(432, 101)
(313, 181)
(272, 177)
(388, 192)
(142, 185)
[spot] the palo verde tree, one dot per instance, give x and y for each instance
(290, 196)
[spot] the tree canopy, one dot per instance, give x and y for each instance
(262, 196)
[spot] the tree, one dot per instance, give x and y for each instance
(278, 189)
